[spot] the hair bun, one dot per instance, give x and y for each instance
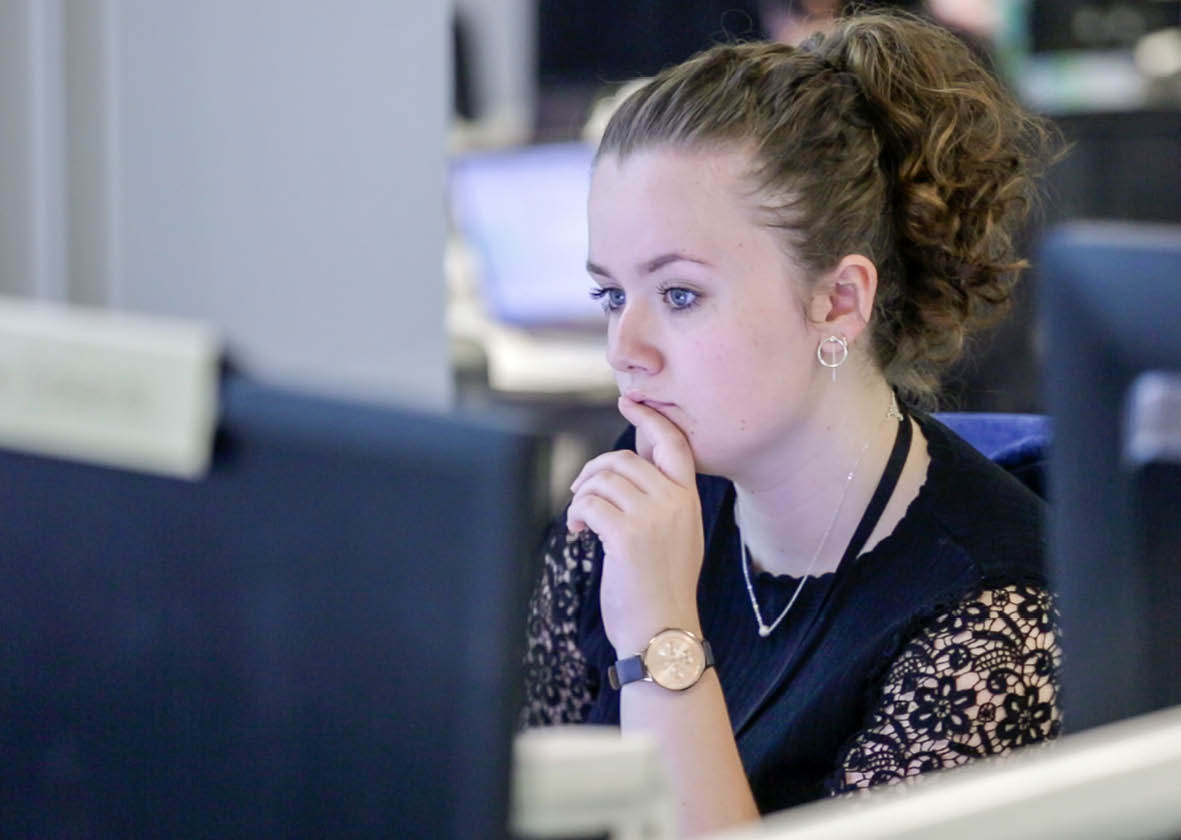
(964, 157)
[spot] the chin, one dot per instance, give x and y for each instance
(729, 457)
(707, 460)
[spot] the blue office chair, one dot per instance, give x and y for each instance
(1018, 442)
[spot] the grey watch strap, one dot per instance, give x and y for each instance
(632, 668)
(625, 671)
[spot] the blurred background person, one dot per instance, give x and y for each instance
(791, 21)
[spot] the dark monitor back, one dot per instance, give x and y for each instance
(1118, 166)
(1152, 461)
(1110, 306)
(611, 41)
(1097, 24)
(319, 639)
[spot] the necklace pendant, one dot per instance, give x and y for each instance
(893, 412)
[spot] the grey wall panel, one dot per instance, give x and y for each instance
(32, 198)
(278, 169)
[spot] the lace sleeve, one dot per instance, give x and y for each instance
(980, 679)
(557, 676)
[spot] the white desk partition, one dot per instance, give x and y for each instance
(1117, 782)
(580, 781)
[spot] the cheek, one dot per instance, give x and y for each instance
(759, 364)
(751, 383)
(744, 388)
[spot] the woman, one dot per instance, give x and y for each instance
(794, 580)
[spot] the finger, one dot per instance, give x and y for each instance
(593, 512)
(640, 472)
(617, 489)
(670, 449)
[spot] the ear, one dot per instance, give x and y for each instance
(842, 300)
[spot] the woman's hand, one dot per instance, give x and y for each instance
(645, 510)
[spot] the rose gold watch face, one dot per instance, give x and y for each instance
(675, 660)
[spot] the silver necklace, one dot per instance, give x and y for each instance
(765, 629)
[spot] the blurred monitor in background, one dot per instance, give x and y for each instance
(1110, 303)
(1086, 56)
(1121, 165)
(523, 213)
(611, 41)
(1056, 25)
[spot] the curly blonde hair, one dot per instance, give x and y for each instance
(882, 136)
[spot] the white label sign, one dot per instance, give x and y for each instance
(129, 391)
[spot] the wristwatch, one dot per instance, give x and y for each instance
(674, 659)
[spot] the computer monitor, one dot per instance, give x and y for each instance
(611, 41)
(523, 212)
(321, 638)
(1097, 24)
(1110, 310)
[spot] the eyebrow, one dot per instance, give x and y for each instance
(649, 266)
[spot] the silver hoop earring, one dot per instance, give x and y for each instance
(839, 353)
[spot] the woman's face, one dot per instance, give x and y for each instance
(705, 312)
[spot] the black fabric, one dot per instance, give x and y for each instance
(797, 697)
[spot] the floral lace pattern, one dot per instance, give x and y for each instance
(557, 676)
(980, 679)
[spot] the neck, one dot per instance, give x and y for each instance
(798, 508)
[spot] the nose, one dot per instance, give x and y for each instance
(631, 347)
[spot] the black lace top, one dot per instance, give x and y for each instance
(936, 647)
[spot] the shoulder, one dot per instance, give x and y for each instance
(989, 514)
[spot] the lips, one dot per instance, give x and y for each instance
(637, 396)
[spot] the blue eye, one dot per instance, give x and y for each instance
(679, 298)
(609, 297)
